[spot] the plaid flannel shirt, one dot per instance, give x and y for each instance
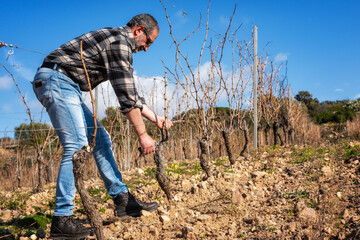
(107, 53)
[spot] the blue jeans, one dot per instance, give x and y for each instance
(75, 126)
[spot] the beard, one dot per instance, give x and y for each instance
(138, 43)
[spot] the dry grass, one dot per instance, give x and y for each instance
(353, 127)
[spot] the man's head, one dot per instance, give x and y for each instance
(145, 29)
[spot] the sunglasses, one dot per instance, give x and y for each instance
(148, 41)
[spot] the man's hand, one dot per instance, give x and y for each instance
(147, 143)
(158, 120)
(161, 122)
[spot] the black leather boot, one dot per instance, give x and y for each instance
(126, 205)
(66, 227)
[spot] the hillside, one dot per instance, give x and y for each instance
(303, 192)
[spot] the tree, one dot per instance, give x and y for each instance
(25, 132)
(335, 112)
(305, 97)
(354, 105)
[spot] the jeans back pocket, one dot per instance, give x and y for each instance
(42, 88)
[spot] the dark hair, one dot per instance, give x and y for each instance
(146, 20)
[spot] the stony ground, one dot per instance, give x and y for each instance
(279, 193)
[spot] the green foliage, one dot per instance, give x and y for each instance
(354, 105)
(302, 194)
(29, 135)
(176, 169)
(29, 224)
(351, 151)
(184, 169)
(191, 114)
(16, 202)
(105, 198)
(150, 172)
(334, 112)
(228, 170)
(30, 232)
(328, 111)
(222, 114)
(220, 161)
(100, 194)
(39, 219)
(128, 184)
(203, 235)
(51, 204)
(13, 204)
(137, 182)
(95, 192)
(197, 167)
(271, 229)
(80, 210)
(303, 155)
(223, 111)
(183, 164)
(312, 203)
(309, 153)
(113, 117)
(305, 97)
(275, 147)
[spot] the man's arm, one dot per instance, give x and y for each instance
(135, 117)
(136, 120)
(152, 117)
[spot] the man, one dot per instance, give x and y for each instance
(58, 84)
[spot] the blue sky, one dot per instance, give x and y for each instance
(319, 39)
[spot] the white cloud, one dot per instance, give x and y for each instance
(5, 82)
(107, 98)
(281, 57)
(152, 89)
(26, 73)
(357, 96)
(339, 90)
(181, 16)
(224, 20)
(35, 105)
(237, 84)
(7, 107)
(21, 70)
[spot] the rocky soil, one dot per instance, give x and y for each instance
(279, 193)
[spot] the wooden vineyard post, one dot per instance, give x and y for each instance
(255, 89)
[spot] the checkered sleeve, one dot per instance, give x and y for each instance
(120, 73)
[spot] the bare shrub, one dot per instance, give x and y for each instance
(353, 127)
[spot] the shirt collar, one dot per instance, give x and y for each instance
(130, 37)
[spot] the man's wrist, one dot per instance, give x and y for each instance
(141, 134)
